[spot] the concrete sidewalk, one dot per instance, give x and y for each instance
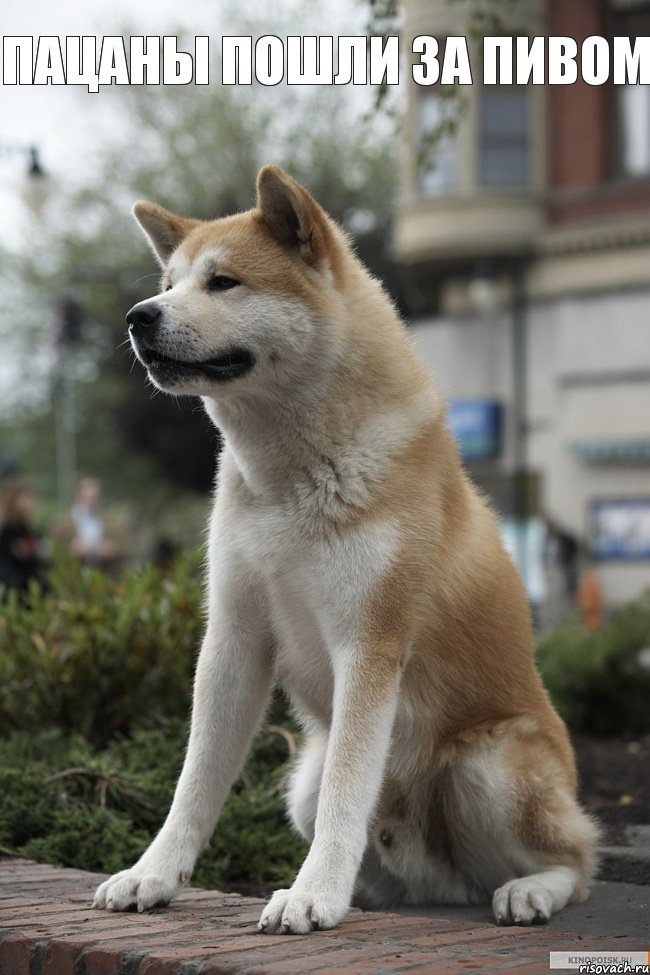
(48, 928)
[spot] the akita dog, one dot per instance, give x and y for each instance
(351, 560)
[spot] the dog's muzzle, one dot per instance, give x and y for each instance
(144, 320)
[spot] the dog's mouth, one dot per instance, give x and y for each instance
(235, 362)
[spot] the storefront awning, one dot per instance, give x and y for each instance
(612, 451)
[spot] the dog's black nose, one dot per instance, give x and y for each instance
(143, 316)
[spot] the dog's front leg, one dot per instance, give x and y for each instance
(233, 680)
(365, 700)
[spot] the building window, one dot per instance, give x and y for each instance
(631, 103)
(634, 129)
(436, 144)
(503, 153)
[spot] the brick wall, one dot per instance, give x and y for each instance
(581, 133)
(578, 137)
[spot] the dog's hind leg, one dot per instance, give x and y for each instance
(559, 838)
(500, 823)
(304, 785)
(532, 899)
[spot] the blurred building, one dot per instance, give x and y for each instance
(525, 251)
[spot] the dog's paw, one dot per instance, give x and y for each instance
(137, 889)
(298, 911)
(522, 901)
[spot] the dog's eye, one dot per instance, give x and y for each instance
(221, 282)
(169, 287)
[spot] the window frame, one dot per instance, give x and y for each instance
(526, 139)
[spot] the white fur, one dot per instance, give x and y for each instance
(534, 898)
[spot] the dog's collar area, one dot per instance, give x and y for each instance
(235, 362)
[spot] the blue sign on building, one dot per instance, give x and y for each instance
(620, 529)
(477, 426)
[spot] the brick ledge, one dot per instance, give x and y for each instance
(47, 927)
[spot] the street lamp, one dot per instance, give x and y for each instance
(67, 334)
(35, 192)
(37, 185)
(520, 411)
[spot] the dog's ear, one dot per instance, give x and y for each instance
(163, 230)
(291, 215)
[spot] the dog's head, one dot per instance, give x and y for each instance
(245, 301)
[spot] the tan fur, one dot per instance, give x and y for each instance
(354, 560)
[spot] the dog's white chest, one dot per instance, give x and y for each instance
(316, 587)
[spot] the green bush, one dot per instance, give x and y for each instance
(95, 684)
(94, 656)
(95, 688)
(64, 802)
(596, 679)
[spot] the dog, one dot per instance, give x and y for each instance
(351, 560)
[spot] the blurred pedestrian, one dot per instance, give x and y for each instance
(21, 548)
(561, 555)
(91, 542)
(165, 552)
(589, 600)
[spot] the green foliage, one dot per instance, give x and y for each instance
(95, 681)
(66, 803)
(596, 679)
(95, 656)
